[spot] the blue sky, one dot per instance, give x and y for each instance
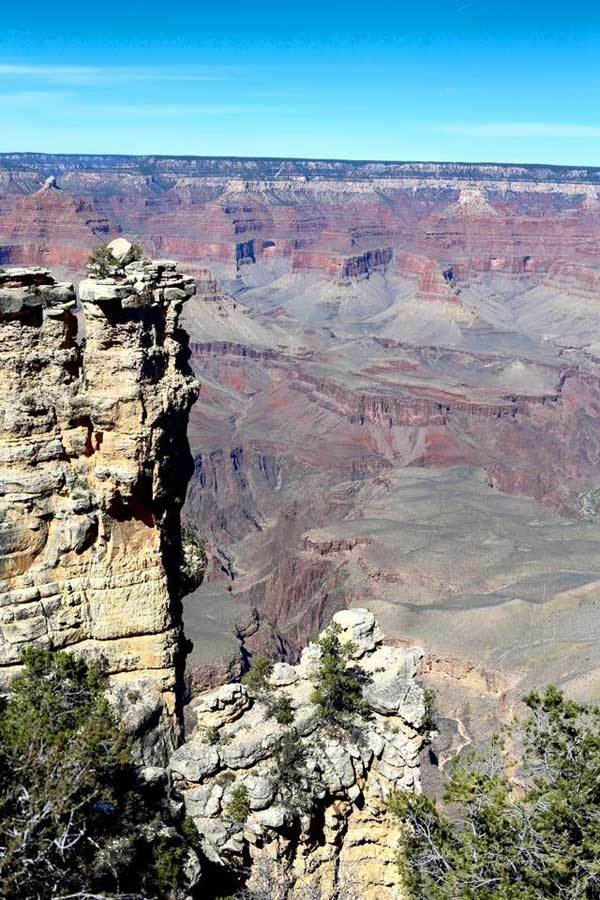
(447, 80)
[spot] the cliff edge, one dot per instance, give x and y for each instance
(94, 462)
(297, 803)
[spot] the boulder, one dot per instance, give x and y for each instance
(337, 767)
(360, 627)
(283, 674)
(394, 690)
(123, 251)
(251, 747)
(261, 791)
(204, 800)
(219, 707)
(274, 817)
(195, 761)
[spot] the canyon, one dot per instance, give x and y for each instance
(399, 404)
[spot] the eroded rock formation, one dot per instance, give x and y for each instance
(317, 817)
(94, 463)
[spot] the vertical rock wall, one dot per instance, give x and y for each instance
(94, 463)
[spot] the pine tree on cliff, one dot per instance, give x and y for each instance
(494, 841)
(74, 819)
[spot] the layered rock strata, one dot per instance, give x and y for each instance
(72, 222)
(326, 823)
(94, 462)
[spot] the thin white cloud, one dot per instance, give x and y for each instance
(71, 104)
(518, 130)
(176, 109)
(105, 74)
(26, 97)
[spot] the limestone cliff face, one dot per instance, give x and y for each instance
(317, 819)
(94, 462)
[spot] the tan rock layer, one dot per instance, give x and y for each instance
(94, 462)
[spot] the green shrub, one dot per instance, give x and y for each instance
(257, 677)
(429, 723)
(70, 799)
(190, 831)
(225, 778)
(338, 684)
(101, 261)
(194, 560)
(281, 710)
(211, 735)
(168, 858)
(238, 808)
(137, 251)
(490, 842)
(294, 785)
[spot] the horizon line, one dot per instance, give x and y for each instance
(297, 159)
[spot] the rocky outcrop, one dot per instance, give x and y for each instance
(361, 266)
(315, 797)
(94, 463)
(435, 284)
(574, 280)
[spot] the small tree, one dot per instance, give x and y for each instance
(492, 843)
(101, 261)
(74, 819)
(194, 560)
(239, 806)
(257, 677)
(291, 775)
(429, 724)
(281, 710)
(338, 684)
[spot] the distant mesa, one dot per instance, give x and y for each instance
(51, 227)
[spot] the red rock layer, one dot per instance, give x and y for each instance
(51, 227)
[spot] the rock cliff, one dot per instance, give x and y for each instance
(314, 798)
(94, 463)
(73, 223)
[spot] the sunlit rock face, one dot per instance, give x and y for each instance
(333, 827)
(342, 219)
(94, 463)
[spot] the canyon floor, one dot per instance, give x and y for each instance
(400, 403)
(449, 487)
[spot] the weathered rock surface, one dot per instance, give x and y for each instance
(94, 463)
(333, 825)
